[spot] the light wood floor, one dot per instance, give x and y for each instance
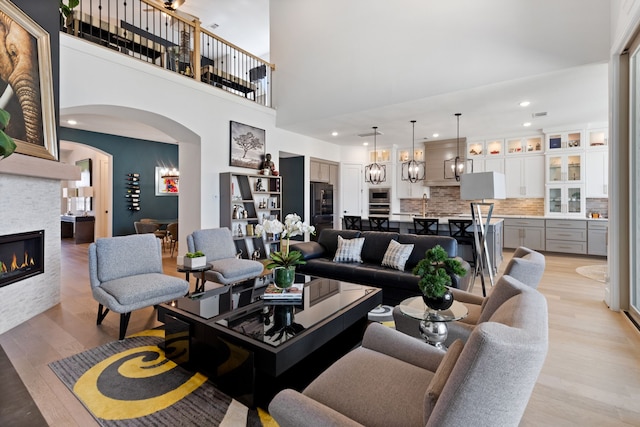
(591, 375)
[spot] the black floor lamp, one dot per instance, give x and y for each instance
(482, 186)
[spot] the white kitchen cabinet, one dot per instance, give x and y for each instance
(568, 236)
(565, 140)
(524, 232)
(488, 165)
(597, 176)
(524, 145)
(565, 199)
(565, 167)
(598, 138)
(524, 176)
(597, 237)
(333, 175)
(319, 171)
(407, 189)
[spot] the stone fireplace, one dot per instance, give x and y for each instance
(30, 189)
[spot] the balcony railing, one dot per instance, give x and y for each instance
(174, 41)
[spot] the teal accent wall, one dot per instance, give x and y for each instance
(132, 155)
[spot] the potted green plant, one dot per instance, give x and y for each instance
(7, 145)
(67, 10)
(284, 262)
(435, 271)
(194, 259)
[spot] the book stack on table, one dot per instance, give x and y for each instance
(290, 295)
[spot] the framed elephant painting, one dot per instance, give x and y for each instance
(26, 86)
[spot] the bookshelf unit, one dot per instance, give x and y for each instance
(245, 201)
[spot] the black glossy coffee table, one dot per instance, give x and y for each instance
(254, 351)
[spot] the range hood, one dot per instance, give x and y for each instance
(436, 152)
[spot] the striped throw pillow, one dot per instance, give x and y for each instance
(397, 255)
(349, 250)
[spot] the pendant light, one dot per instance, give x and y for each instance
(454, 168)
(412, 170)
(375, 173)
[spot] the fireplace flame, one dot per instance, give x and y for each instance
(28, 262)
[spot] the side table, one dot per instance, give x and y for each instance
(433, 323)
(187, 270)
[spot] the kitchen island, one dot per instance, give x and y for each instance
(404, 224)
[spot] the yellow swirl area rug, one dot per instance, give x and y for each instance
(132, 383)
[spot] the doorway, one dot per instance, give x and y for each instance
(292, 173)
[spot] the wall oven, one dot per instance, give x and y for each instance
(379, 201)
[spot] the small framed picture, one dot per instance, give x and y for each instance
(246, 146)
(167, 181)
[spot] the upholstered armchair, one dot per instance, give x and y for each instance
(217, 244)
(125, 273)
(396, 380)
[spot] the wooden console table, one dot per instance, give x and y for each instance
(79, 227)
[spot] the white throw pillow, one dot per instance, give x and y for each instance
(349, 250)
(397, 255)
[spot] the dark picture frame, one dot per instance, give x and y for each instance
(32, 123)
(247, 145)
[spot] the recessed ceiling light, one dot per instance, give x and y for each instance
(525, 103)
(72, 122)
(334, 133)
(365, 143)
(526, 124)
(435, 135)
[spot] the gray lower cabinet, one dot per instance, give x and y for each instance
(568, 236)
(597, 237)
(524, 232)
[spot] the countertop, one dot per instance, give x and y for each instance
(494, 215)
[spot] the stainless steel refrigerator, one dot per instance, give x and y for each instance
(321, 206)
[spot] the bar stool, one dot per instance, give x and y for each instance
(426, 226)
(458, 229)
(377, 223)
(352, 222)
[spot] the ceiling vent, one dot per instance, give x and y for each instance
(541, 114)
(365, 135)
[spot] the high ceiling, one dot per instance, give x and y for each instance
(378, 63)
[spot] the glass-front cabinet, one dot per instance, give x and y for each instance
(565, 200)
(565, 167)
(530, 145)
(564, 140)
(598, 138)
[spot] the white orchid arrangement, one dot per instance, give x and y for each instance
(293, 226)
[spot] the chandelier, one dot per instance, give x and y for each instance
(454, 168)
(412, 170)
(173, 173)
(375, 173)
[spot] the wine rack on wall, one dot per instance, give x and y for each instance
(133, 191)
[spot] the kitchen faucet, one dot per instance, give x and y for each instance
(424, 204)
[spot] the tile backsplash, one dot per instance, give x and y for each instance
(446, 201)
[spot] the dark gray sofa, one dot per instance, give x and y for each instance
(396, 285)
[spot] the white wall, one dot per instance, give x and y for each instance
(196, 115)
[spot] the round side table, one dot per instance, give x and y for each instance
(433, 323)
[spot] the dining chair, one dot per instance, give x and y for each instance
(144, 227)
(426, 226)
(352, 222)
(377, 223)
(172, 237)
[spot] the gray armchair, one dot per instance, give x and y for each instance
(396, 380)
(126, 274)
(217, 244)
